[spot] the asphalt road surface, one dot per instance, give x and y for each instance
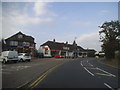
(81, 73)
(59, 73)
(16, 75)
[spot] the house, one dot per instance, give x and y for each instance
(52, 48)
(90, 52)
(20, 42)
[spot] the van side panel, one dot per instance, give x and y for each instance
(9, 55)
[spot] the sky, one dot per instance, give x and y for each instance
(62, 21)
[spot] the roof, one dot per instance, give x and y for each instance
(59, 46)
(90, 50)
(26, 37)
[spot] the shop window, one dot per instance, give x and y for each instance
(46, 51)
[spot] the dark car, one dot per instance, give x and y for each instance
(40, 55)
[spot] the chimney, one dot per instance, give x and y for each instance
(53, 40)
(66, 42)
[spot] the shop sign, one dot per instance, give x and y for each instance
(55, 50)
(31, 47)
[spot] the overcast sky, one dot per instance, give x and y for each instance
(62, 21)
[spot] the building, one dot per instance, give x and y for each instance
(52, 48)
(20, 42)
(90, 52)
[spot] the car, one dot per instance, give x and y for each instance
(40, 55)
(58, 56)
(24, 57)
(7, 56)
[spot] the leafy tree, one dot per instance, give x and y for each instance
(110, 36)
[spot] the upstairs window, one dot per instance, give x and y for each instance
(26, 44)
(20, 36)
(13, 43)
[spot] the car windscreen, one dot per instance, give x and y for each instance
(20, 54)
(27, 54)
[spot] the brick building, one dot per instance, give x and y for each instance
(21, 43)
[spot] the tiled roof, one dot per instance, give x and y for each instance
(59, 46)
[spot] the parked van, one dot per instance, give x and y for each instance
(7, 56)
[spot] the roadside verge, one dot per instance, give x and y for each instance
(111, 63)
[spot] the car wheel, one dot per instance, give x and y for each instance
(21, 60)
(4, 61)
(29, 60)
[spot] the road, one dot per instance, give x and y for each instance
(81, 73)
(16, 75)
(59, 73)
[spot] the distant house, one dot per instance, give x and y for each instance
(90, 52)
(20, 42)
(52, 48)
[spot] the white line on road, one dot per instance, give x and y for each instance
(108, 86)
(103, 74)
(89, 71)
(106, 72)
(81, 63)
(90, 64)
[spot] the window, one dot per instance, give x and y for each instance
(13, 43)
(26, 44)
(20, 36)
(66, 48)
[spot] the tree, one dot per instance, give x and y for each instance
(109, 35)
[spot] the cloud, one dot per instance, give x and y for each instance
(103, 12)
(40, 8)
(15, 18)
(80, 23)
(24, 18)
(90, 40)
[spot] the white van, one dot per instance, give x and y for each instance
(7, 56)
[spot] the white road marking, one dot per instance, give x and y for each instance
(108, 86)
(103, 74)
(89, 71)
(90, 64)
(93, 68)
(106, 72)
(81, 63)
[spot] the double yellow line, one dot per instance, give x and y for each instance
(39, 79)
